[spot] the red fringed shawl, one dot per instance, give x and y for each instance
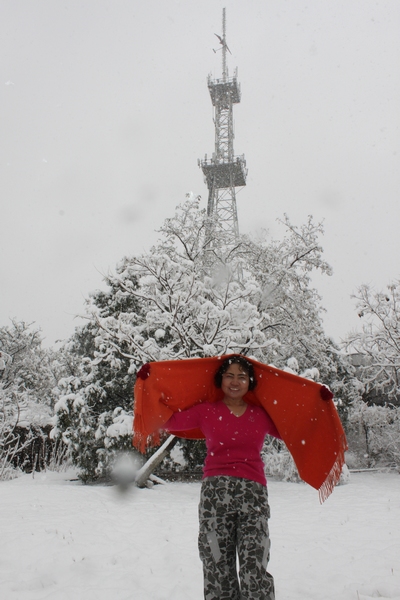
(302, 410)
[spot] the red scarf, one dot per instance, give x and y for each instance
(302, 410)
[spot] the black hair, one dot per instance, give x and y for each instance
(237, 359)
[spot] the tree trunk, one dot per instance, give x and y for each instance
(150, 465)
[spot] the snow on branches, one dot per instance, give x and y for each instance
(186, 307)
(379, 341)
(28, 374)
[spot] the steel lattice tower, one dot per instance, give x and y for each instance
(224, 172)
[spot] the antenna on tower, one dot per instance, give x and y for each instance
(222, 41)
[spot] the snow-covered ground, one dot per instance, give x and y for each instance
(61, 540)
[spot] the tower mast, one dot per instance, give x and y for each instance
(224, 72)
(224, 172)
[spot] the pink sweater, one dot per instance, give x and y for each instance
(234, 444)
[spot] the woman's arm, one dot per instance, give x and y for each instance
(271, 427)
(183, 420)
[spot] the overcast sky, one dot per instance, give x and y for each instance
(105, 111)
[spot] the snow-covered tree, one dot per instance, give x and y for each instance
(28, 374)
(270, 312)
(378, 343)
(175, 302)
(93, 413)
(373, 417)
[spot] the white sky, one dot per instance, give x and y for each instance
(105, 111)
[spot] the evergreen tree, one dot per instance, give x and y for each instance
(93, 414)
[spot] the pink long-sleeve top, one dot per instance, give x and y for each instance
(233, 443)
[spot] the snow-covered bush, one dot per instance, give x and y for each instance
(28, 374)
(377, 429)
(175, 461)
(93, 414)
(93, 432)
(278, 461)
(345, 476)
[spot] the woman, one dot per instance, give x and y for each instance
(233, 508)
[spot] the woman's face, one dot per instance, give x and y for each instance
(235, 382)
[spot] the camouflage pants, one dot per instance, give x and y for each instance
(233, 516)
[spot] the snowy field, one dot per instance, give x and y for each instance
(61, 540)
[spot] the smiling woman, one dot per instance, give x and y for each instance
(235, 384)
(234, 508)
(235, 377)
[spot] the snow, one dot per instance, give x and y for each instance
(122, 424)
(61, 540)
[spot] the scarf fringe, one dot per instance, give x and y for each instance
(333, 477)
(142, 443)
